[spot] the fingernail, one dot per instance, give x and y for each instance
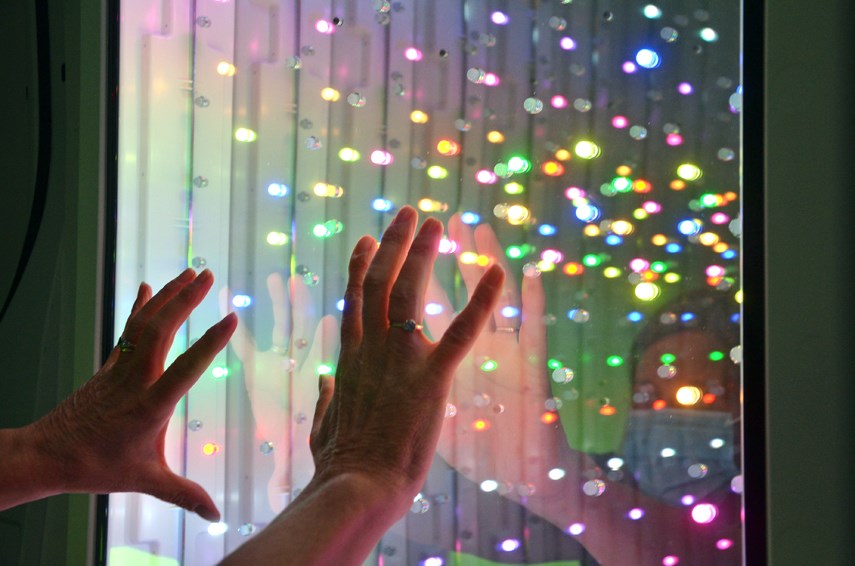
(404, 215)
(186, 275)
(207, 514)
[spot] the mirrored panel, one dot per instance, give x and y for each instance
(592, 148)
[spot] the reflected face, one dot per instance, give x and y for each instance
(686, 370)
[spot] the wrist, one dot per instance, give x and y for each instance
(25, 474)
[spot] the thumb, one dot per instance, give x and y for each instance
(172, 488)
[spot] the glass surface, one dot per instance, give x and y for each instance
(593, 148)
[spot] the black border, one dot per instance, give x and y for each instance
(754, 338)
(110, 219)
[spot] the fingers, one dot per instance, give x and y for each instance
(160, 330)
(172, 488)
(438, 323)
(533, 327)
(242, 341)
(462, 234)
(326, 384)
(488, 244)
(406, 300)
(139, 318)
(351, 319)
(324, 344)
(382, 272)
(186, 369)
(464, 330)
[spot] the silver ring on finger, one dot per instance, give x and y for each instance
(408, 325)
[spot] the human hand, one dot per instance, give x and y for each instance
(282, 382)
(109, 435)
(391, 385)
(501, 428)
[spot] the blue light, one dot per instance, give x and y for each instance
(689, 227)
(277, 189)
(510, 312)
(382, 205)
(470, 218)
(613, 240)
(340, 304)
(241, 301)
(547, 230)
(673, 248)
(635, 316)
(587, 213)
(647, 58)
(734, 318)
(687, 317)
(728, 254)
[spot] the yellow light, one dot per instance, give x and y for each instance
(612, 272)
(562, 154)
(517, 214)
(622, 227)
(587, 149)
(659, 240)
(437, 172)
(641, 186)
(330, 94)
(210, 448)
(552, 169)
(514, 188)
(544, 265)
(430, 205)
(277, 238)
(688, 395)
(639, 214)
(671, 277)
(647, 291)
(677, 185)
(482, 260)
(469, 258)
(245, 135)
(730, 196)
(591, 230)
(623, 171)
(348, 154)
(328, 190)
(447, 147)
(738, 297)
(689, 172)
(495, 136)
(481, 425)
(419, 117)
(708, 238)
(226, 69)
(720, 248)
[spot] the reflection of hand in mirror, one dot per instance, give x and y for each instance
(503, 430)
(282, 382)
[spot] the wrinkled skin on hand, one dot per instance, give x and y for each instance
(109, 435)
(382, 417)
(502, 429)
(282, 382)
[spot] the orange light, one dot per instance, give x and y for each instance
(495, 136)
(573, 268)
(659, 240)
(659, 404)
(591, 230)
(720, 247)
(481, 425)
(447, 148)
(641, 186)
(730, 196)
(548, 417)
(623, 171)
(708, 398)
(714, 281)
(552, 169)
(678, 184)
(649, 275)
(607, 410)
(210, 448)
(563, 154)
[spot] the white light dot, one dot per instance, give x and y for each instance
(556, 474)
(241, 301)
(576, 529)
(716, 443)
(217, 529)
(489, 485)
(615, 463)
(704, 513)
(636, 513)
(433, 309)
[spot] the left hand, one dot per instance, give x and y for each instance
(109, 435)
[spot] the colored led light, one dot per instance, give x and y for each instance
(327, 190)
(514, 188)
(226, 69)
(245, 135)
(576, 529)
(470, 218)
(492, 79)
(219, 372)
(572, 268)
(419, 117)
(447, 246)
(348, 154)
(495, 136)
(448, 147)
(241, 301)
(509, 545)
(556, 474)
(674, 139)
(558, 101)
(708, 34)
(620, 122)
(591, 260)
(277, 190)
(517, 164)
(210, 448)
(517, 214)
(704, 513)
(652, 12)
(586, 149)
(635, 316)
(547, 230)
(613, 240)
(688, 395)
(433, 309)
(629, 67)
(486, 177)
(324, 26)
(567, 43)
(587, 213)
(381, 157)
(614, 361)
(330, 94)
(437, 172)
(689, 172)
(499, 18)
(647, 291)
(277, 238)
(647, 58)
(548, 417)
(685, 88)
(382, 205)
(431, 205)
(481, 425)
(413, 54)
(552, 168)
(489, 485)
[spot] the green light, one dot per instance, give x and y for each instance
(437, 172)
(591, 260)
(219, 372)
(514, 252)
(552, 363)
(709, 200)
(501, 169)
(514, 188)
(622, 184)
(327, 229)
(614, 361)
(658, 267)
(348, 154)
(517, 164)
(325, 369)
(668, 359)
(489, 365)
(716, 356)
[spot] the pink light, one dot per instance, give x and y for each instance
(670, 560)
(684, 88)
(558, 101)
(567, 43)
(380, 157)
(638, 265)
(500, 18)
(636, 513)
(413, 54)
(651, 207)
(447, 246)
(715, 271)
(572, 193)
(704, 513)
(491, 79)
(723, 543)
(324, 26)
(551, 256)
(687, 500)
(674, 139)
(510, 544)
(576, 529)
(719, 218)
(620, 122)
(486, 177)
(629, 67)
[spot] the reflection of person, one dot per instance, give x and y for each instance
(374, 432)
(503, 434)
